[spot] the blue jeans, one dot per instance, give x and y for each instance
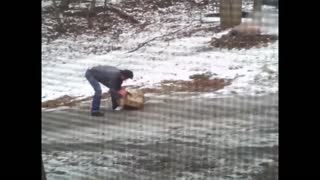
(97, 92)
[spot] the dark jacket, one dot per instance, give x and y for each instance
(108, 76)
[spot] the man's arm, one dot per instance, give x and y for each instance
(115, 86)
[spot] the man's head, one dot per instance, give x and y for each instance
(126, 74)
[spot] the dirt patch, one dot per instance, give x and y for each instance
(242, 40)
(67, 101)
(195, 85)
(148, 5)
(61, 101)
(199, 83)
(203, 76)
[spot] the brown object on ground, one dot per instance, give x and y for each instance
(61, 101)
(133, 101)
(195, 85)
(240, 39)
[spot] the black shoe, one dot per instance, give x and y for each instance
(97, 114)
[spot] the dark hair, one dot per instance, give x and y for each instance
(127, 73)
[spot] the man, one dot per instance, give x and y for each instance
(112, 78)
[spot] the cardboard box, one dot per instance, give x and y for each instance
(134, 100)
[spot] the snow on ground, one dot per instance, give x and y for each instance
(45, 3)
(65, 60)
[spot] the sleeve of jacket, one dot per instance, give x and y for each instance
(115, 86)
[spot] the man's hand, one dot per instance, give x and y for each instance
(122, 92)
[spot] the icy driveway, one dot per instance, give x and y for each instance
(173, 138)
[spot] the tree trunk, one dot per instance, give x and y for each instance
(64, 4)
(105, 6)
(257, 15)
(57, 16)
(123, 15)
(230, 13)
(91, 12)
(257, 5)
(92, 6)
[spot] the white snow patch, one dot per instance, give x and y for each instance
(63, 71)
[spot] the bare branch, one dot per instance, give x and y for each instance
(146, 42)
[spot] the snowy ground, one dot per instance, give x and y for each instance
(175, 57)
